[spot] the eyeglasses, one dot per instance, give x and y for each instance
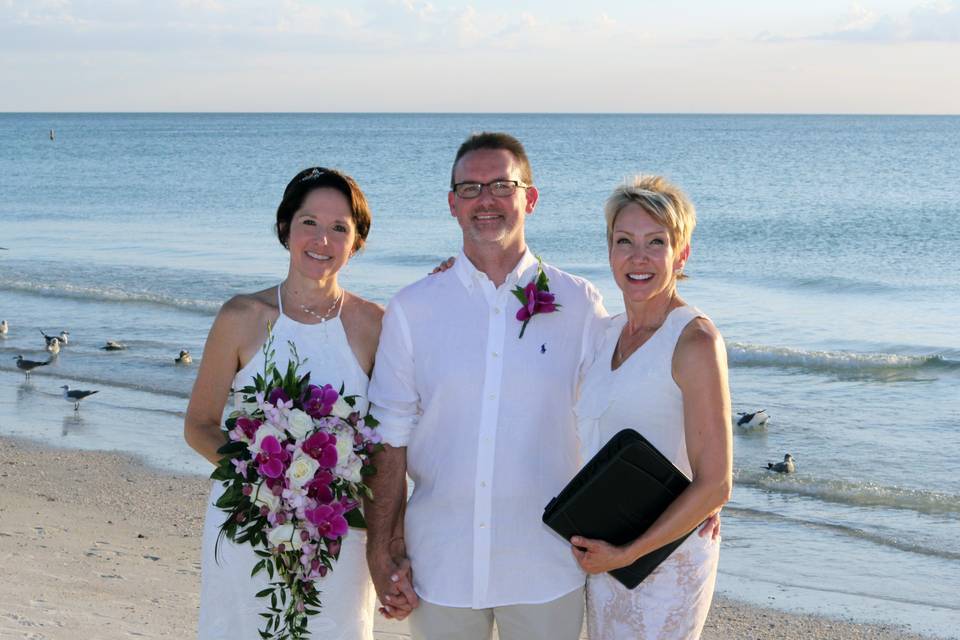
(498, 188)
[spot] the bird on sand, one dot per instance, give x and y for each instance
(4, 327)
(113, 345)
(76, 395)
(787, 466)
(184, 357)
(28, 365)
(755, 421)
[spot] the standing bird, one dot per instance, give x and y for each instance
(53, 346)
(752, 421)
(184, 357)
(75, 396)
(787, 466)
(4, 327)
(28, 365)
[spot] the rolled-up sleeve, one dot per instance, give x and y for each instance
(392, 393)
(594, 327)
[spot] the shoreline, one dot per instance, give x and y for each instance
(96, 544)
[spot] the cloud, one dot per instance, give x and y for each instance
(937, 21)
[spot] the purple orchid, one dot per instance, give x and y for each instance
(537, 302)
(277, 397)
(241, 467)
(329, 520)
(272, 458)
(322, 447)
(535, 298)
(319, 401)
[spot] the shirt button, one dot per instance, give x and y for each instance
(483, 526)
(483, 484)
(495, 354)
(492, 396)
(496, 309)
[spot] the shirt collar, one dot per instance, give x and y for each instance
(469, 275)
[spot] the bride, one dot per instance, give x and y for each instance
(322, 221)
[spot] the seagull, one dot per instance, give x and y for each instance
(787, 466)
(63, 338)
(75, 396)
(53, 346)
(184, 357)
(113, 345)
(4, 327)
(753, 421)
(28, 365)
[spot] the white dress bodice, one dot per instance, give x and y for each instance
(229, 608)
(641, 394)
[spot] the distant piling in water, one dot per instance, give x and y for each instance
(53, 134)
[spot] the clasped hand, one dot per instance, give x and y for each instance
(393, 581)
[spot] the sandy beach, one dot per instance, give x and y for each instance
(95, 545)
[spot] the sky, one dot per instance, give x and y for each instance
(621, 56)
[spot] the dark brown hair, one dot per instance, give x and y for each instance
(494, 140)
(321, 178)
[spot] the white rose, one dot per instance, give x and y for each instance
(285, 534)
(265, 430)
(349, 467)
(301, 470)
(263, 496)
(299, 424)
(341, 408)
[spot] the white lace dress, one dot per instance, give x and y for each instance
(229, 609)
(672, 603)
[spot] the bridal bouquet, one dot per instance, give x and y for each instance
(293, 470)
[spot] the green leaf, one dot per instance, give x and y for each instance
(263, 593)
(520, 295)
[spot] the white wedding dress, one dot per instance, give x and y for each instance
(229, 608)
(673, 602)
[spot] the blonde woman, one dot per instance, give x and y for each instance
(661, 369)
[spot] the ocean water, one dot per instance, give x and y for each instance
(826, 253)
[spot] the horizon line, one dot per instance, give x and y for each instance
(494, 113)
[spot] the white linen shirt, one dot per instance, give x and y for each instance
(487, 420)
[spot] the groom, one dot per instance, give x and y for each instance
(482, 421)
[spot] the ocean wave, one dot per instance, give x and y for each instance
(860, 494)
(846, 530)
(110, 294)
(754, 355)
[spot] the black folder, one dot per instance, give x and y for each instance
(616, 496)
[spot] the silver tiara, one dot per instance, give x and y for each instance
(313, 175)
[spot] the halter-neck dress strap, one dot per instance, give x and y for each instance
(279, 298)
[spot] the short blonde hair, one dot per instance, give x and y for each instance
(663, 201)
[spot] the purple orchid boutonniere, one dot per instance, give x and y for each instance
(535, 297)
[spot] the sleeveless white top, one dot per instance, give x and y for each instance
(323, 349)
(641, 394)
(229, 608)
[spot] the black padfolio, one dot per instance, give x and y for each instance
(616, 496)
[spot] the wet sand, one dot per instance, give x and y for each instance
(96, 545)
